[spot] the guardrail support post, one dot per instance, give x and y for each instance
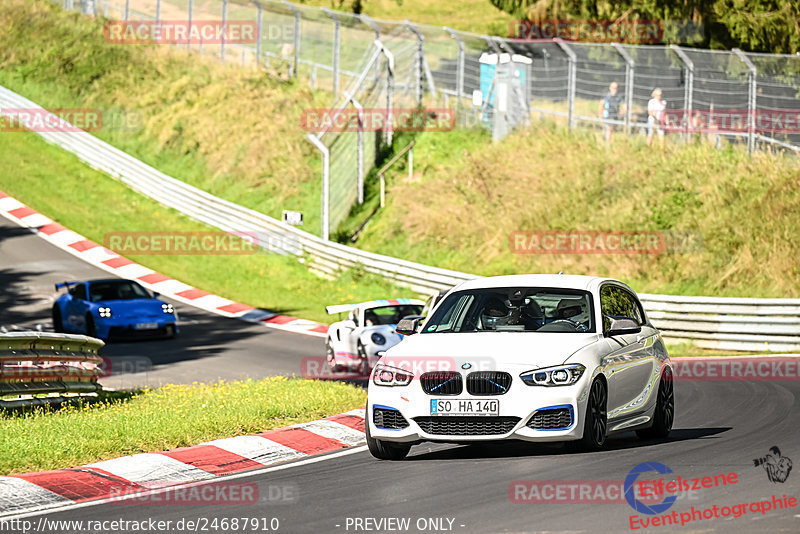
(571, 76)
(629, 75)
(296, 38)
(337, 29)
(688, 91)
(751, 99)
(326, 155)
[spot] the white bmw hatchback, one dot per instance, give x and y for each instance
(525, 357)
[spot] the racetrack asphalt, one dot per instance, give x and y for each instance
(720, 427)
(209, 347)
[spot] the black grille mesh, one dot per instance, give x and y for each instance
(442, 383)
(467, 426)
(550, 419)
(488, 383)
(384, 418)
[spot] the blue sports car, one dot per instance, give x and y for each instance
(112, 309)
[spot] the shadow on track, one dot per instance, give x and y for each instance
(518, 449)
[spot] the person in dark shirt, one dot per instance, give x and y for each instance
(611, 108)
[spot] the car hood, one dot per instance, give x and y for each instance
(490, 350)
(133, 306)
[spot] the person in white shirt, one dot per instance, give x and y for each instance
(655, 116)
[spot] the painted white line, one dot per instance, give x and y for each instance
(138, 495)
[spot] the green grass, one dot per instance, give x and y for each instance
(58, 185)
(161, 419)
(468, 194)
(229, 130)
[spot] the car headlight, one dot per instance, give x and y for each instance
(378, 339)
(104, 312)
(385, 375)
(562, 375)
(167, 308)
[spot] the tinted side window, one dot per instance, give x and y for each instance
(78, 291)
(618, 302)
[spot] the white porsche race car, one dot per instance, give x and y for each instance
(357, 342)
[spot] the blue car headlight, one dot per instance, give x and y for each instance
(378, 339)
(104, 312)
(561, 375)
(386, 375)
(167, 308)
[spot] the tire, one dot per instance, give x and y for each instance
(58, 322)
(664, 414)
(91, 329)
(330, 356)
(384, 450)
(595, 425)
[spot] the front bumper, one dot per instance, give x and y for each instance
(127, 327)
(516, 409)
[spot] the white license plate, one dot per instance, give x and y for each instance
(145, 326)
(465, 407)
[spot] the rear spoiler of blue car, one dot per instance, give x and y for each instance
(64, 284)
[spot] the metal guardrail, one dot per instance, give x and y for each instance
(723, 323)
(41, 367)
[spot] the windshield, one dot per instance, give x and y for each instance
(514, 309)
(117, 290)
(390, 314)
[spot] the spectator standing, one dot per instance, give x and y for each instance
(611, 108)
(655, 116)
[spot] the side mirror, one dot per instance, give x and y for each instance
(156, 294)
(409, 325)
(619, 326)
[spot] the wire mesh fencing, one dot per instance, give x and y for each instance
(500, 83)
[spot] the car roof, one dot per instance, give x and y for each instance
(560, 281)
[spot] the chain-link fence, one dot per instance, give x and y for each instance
(727, 97)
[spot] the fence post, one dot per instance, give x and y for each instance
(296, 38)
(420, 59)
(629, 75)
(326, 155)
(224, 29)
(389, 89)
(259, 29)
(459, 66)
(360, 115)
(189, 36)
(158, 10)
(336, 42)
(371, 23)
(689, 88)
(571, 75)
(751, 99)
(127, 14)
